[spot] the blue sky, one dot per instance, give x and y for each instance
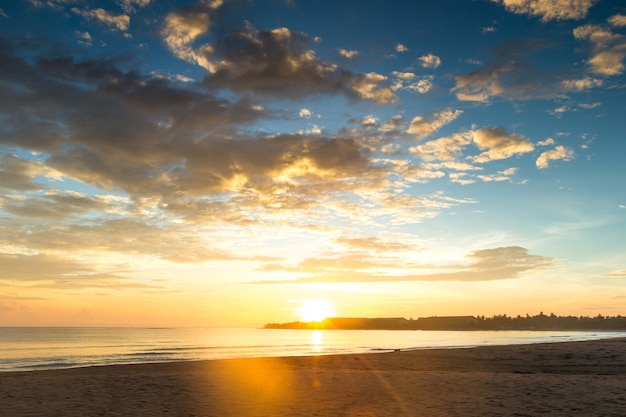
(225, 163)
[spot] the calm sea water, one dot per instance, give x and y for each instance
(25, 349)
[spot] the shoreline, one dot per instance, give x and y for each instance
(570, 378)
(183, 347)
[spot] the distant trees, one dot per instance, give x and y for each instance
(497, 322)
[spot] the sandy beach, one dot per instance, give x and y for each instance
(557, 379)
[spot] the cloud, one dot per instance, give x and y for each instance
(617, 20)
(374, 244)
(130, 6)
(500, 176)
(119, 22)
(430, 61)
(348, 54)
(84, 38)
(581, 84)
(500, 263)
(62, 273)
(368, 87)
(460, 178)
(181, 29)
(403, 75)
(511, 75)
(560, 152)
(620, 273)
(280, 63)
(479, 85)
(306, 113)
(20, 267)
(170, 142)
(444, 149)
(546, 142)
(423, 127)
(369, 121)
(401, 48)
(52, 205)
(113, 236)
(609, 49)
(422, 86)
(499, 144)
(19, 175)
(549, 9)
(404, 82)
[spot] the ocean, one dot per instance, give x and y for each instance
(33, 348)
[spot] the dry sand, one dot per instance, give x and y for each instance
(559, 379)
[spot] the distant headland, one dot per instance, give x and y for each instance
(498, 322)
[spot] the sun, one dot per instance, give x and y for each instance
(315, 310)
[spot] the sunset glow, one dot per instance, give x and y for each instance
(315, 310)
(235, 163)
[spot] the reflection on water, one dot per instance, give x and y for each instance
(48, 348)
(317, 341)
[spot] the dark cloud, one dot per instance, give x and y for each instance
(52, 206)
(121, 130)
(18, 175)
(280, 63)
(513, 75)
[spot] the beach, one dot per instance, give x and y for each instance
(555, 379)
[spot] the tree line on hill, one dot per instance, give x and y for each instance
(497, 322)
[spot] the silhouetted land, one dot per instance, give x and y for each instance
(498, 322)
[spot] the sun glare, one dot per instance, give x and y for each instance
(315, 310)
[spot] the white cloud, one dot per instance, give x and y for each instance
(129, 5)
(401, 48)
(422, 86)
(306, 113)
(617, 20)
(369, 120)
(499, 144)
(549, 9)
(422, 127)
(367, 87)
(609, 49)
(430, 61)
(546, 142)
(348, 54)
(181, 30)
(500, 176)
(403, 75)
(589, 105)
(460, 178)
(314, 130)
(120, 22)
(395, 123)
(581, 84)
(560, 152)
(443, 149)
(84, 38)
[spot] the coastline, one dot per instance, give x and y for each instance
(561, 379)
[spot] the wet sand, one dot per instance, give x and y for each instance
(557, 379)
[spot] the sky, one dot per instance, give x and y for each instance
(234, 163)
